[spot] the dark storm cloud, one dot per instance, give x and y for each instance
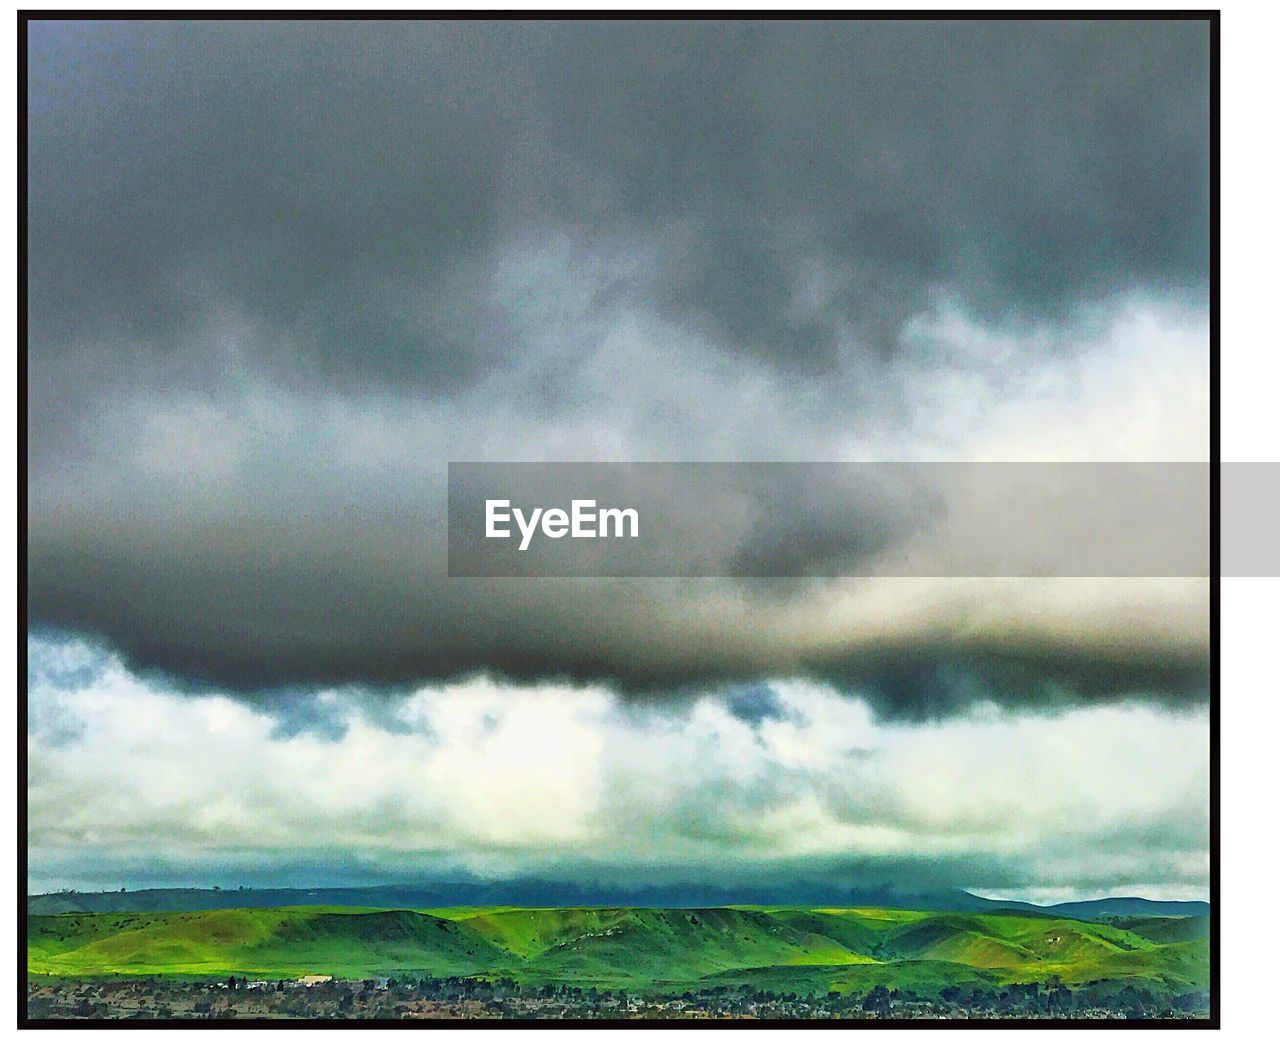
(916, 681)
(254, 246)
(353, 602)
(347, 186)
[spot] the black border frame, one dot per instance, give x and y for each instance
(1212, 16)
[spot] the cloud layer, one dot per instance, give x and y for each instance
(129, 780)
(785, 189)
(281, 273)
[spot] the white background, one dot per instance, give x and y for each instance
(1250, 421)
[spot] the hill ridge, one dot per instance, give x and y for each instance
(449, 895)
(621, 947)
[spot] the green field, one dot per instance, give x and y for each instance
(802, 950)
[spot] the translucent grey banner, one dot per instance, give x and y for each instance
(1250, 518)
(800, 519)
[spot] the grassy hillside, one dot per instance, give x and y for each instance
(805, 950)
(924, 978)
(275, 942)
(1168, 931)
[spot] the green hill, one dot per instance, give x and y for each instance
(1167, 931)
(275, 942)
(805, 950)
(685, 944)
(924, 978)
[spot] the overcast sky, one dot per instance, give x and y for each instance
(280, 274)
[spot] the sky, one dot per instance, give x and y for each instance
(281, 273)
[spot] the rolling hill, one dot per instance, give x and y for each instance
(773, 948)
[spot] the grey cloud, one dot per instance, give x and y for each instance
(256, 247)
(253, 601)
(832, 520)
(301, 712)
(63, 662)
(915, 681)
(559, 882)
(346, 188)
(755, 703)
(254, 613)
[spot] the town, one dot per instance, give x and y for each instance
(468, 998)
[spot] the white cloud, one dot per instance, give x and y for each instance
(499, 779)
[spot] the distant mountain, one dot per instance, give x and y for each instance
(1127, 906)
(537, 894)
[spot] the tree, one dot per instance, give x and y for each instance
(877, 1000)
